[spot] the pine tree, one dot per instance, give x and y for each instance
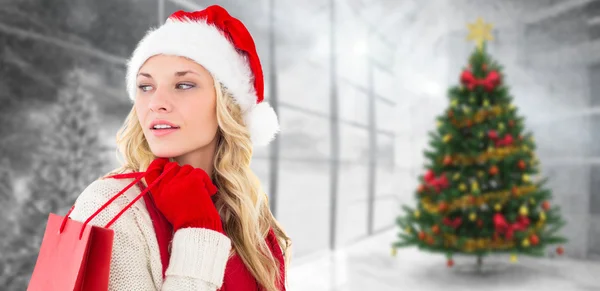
(477, 196)
(71, 158)
(6, 187)
(7, 223)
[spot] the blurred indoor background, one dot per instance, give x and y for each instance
(357, 85)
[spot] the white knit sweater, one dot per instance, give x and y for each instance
(198, 256)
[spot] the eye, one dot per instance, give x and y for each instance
(185, 86)
(145, 88)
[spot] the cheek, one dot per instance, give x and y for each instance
(204, 116)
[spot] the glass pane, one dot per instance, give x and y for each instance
(383, 83)
(304, 86)
(303, 204)
(352, 223)
(386, 210)
(303, 136)
(354, 144)
(353, 104)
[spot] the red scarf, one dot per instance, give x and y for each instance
(237, 277)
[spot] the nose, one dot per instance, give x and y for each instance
(160, 101)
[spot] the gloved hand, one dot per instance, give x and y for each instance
(183, 195)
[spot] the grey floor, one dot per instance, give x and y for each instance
(369, 266)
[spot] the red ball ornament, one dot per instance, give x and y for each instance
(471, 199)
(450, 263)
(484, 67)
(534, 239)
(435, 229)
(515, 191)
(521, 165)
(493, 170)
(560, 250)
(421, 235)
(511, 123)
(443, 206)
(493, 134)
(430, 240)
(429, 175)
(546, 205)
(421, 188)
(447, 160)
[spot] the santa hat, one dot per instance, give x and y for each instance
(221, 44)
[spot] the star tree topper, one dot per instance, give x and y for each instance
(479, 31)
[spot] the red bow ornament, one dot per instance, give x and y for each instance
(503, 227)
(439, 183)
(491, 81)
(454, 223)
(506, 141)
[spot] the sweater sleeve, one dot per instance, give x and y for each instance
(198, 256)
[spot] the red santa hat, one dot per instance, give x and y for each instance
(221, 44)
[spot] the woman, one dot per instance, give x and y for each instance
(197, 87)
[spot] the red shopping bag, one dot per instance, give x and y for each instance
(75, 255)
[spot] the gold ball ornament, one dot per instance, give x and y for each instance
(542, 216)
(472, 216)
(497, 207)
(417, 213)
(486, 103)
(474, 187)
(480, 134)
(513, 258)
(501, 126)
(525, 148)
(439, 124)
(456, 177)
(511, 107)
(407, 230)
(472, 99)
(447, 138)
(532, 201)
(524, 211)
(454, 102)
(480, 174)
(462, 187)
(467, 109)
(525, 243)
(526, 178)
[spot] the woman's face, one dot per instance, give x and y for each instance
(180, 93)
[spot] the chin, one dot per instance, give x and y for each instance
(166, 152)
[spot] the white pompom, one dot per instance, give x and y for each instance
(262, 123)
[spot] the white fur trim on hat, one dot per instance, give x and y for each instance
(206, 45)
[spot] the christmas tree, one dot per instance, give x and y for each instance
(477, 195)
(72, 157)
(6, 187)
(7, 223)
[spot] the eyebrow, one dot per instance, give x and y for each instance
(178, 74)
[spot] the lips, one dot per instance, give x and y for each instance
(161, 122)
(162, 132)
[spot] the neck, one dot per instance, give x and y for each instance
(200, 158)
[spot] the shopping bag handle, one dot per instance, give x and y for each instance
(138, 177)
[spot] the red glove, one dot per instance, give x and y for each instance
(183, 195)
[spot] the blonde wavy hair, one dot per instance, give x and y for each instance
(241, 202)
